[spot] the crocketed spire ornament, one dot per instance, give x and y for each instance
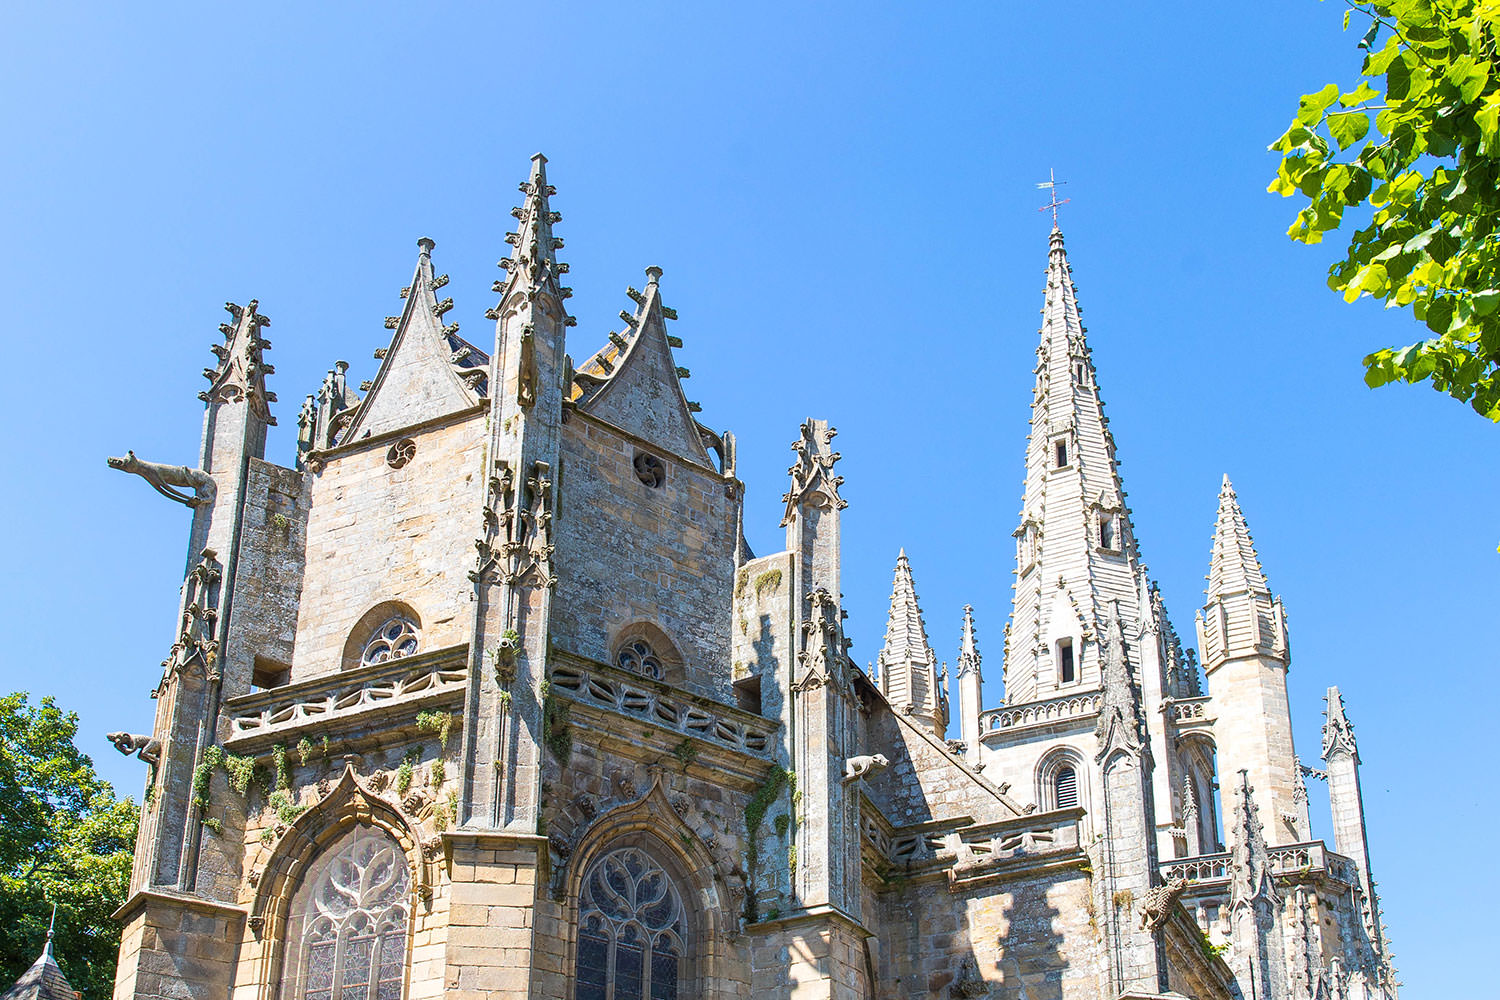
(1234, 568)
(1250, 861)
(242, 369)
(1120, 723)
(1338, 731)
(968, 649)
(813, 479)
(533, 264)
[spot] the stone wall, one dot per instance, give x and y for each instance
(377, 533)
(634, 554)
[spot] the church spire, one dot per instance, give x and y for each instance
(908, 666)
(1075, 549)
(1235, 568)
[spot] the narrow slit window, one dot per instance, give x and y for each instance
(1066, 669)
(1066, 788)
(1107, 532)
(1061, 448)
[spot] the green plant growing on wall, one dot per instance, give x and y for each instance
(767, 582)
(241, 771)
(781, 824)
(755, 813)
(203, 775)
(283, 776)
(686, 752)
(440, 723)
(285, 808)
(1211, 951)
(305, 751)
(439, 773)
(215, 825)
(404, 772)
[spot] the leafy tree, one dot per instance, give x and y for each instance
(64, 839)
(1416, 145)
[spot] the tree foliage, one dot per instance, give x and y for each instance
(64, 839)
(1416, 145)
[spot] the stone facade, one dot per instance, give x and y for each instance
(486, 696)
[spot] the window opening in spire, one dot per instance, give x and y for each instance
(1066, 669)
(1108, 531)
(1061, 453)
(1065, 788)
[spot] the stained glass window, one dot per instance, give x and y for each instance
(638, 657)
(347, 928)
(396, 638)
(631, 930)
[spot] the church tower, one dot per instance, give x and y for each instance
(908, 666)
(1242, 634)
(1075, 549)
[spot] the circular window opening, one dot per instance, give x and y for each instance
(650, 470)
(401, 452)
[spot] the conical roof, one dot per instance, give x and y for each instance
(1235, 568)
(43, 981)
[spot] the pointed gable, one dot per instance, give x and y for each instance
(635, 383)
(428, 370)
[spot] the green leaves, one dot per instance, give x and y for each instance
(1427, 172)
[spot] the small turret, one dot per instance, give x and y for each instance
(908, 666)
(970, 684)
(1242, 633)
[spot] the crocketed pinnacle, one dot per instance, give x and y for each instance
(1235, 568)
(241, 371)
(1338, 731)
(968, 649)
(1250, 860)
(533, 260)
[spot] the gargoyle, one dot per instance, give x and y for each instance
(144, 747)
(857, 767)
(164, 477)
(1157, 905)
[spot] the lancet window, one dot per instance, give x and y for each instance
(632, 930)
(347, 928)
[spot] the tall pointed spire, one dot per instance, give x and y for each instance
(1075, 550)
(908, 665)
(968, 649)
(1235, 568)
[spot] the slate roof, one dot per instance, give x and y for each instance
(43, 981)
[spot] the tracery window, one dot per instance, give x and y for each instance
(347, 929)
(396, 638)
(638, 657)
(632, 930)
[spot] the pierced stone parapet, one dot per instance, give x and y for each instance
(1287, 861)
(1190, 715)
(612, 688)
(351, 698)
(1040, 713)
(966, 851)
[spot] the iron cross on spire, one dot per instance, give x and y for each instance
(1051, 184)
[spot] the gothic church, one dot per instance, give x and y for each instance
(485, 696)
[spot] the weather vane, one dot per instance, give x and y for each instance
(1051, 184)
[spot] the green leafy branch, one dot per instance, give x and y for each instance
(1417, 143)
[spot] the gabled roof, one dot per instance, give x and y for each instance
(635, 383)
(428, 370)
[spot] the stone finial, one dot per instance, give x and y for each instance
(813, 481)
(968, 648)
(1338, 731)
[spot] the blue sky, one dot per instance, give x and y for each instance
(843, 199)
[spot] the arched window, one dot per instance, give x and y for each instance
(346, 932)
(1060, 780)
(638, 657)
(396, 637)
(632, 930)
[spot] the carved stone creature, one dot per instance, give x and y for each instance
(164, 477)
(1157, 905)
(858, 767)
(144, 747)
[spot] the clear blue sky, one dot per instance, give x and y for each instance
(842, 197)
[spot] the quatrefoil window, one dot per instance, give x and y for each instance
(638, 657)
(396, 638)
(401, 452)
(650, 470)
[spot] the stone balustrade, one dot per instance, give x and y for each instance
(1039, 713)
(1190, 714)
(1287, 860)
(407, 684)
(592, 683)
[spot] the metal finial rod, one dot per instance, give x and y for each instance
(1052, 184)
